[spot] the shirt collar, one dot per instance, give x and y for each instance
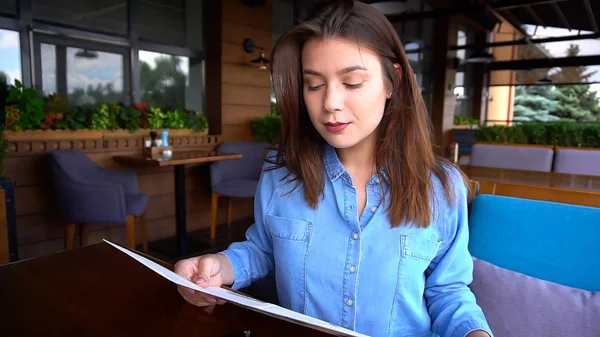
(334, 166)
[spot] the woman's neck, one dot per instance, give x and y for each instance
(360, 158)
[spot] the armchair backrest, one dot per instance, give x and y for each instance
(576, 161)
(512, 157)
(72, 164)
(249, 167)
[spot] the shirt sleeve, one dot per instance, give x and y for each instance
(252, 259)
(452, 305)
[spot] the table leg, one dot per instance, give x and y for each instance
(180, 212)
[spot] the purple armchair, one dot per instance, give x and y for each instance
(235, 178)
(88, 194)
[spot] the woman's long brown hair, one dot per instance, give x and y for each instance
(404, 148)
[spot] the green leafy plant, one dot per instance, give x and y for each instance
(77, 118)
(25, 101)
(156, 118)
(105, 117)
(194, 120)
(555, 133)
(267, 129)
(56, 108)
(129, 118)
(463, 120)
(175, 120)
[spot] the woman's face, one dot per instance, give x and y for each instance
(344, 90)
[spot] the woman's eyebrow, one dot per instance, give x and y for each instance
(340, 72)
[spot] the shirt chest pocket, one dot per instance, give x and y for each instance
(418, 248)
(290, 239)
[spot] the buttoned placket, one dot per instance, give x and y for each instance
(353, 253)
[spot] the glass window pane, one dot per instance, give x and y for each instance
(10, 51)
(557, 75)
(8, 7)
(163, 21)
(165, 81)
(48, 68)
(104, 15)
(94, 77)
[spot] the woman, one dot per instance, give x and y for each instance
(364, 227)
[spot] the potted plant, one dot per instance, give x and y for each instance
(268, 128)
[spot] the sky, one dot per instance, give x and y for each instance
(10, 59)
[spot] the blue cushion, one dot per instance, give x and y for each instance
(551, 241)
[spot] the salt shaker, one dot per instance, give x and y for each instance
(165, 137)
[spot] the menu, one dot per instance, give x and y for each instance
(241, 299)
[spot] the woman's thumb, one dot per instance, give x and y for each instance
(205, 266)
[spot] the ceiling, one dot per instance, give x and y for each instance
(570, 14)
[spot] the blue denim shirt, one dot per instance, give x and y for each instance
(360, 273)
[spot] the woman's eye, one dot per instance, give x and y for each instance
(315, 88)
(354, 86)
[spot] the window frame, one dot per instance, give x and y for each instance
(61, 71)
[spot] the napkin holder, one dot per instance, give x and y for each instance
(156, 152)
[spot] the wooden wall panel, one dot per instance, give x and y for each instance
(237, 132)
(242, 114)
(236, 32)
(244, 75)
(236, 11)
(246, 95)
(246, 90)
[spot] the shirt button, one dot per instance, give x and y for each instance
(349, 302)
(352, 269)
(351, 207)
(355, 236)
(373, 209)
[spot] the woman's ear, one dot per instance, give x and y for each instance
(398, 68)
(389, 84)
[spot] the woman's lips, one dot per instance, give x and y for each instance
(336, 127)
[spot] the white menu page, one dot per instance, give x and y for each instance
(242, 300)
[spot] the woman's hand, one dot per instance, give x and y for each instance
(205, 271)
(478, 333)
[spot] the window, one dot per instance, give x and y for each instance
(93, 76)
(10, 61)
(85, 73)
(171, 82)
(106, 15)
(48, 69)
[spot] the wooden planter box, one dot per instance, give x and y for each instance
(52, 135)
(87, 134)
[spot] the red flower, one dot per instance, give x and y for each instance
(9, 121)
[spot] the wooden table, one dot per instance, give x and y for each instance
(98, 291)
(178, 160)
(534, 178)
